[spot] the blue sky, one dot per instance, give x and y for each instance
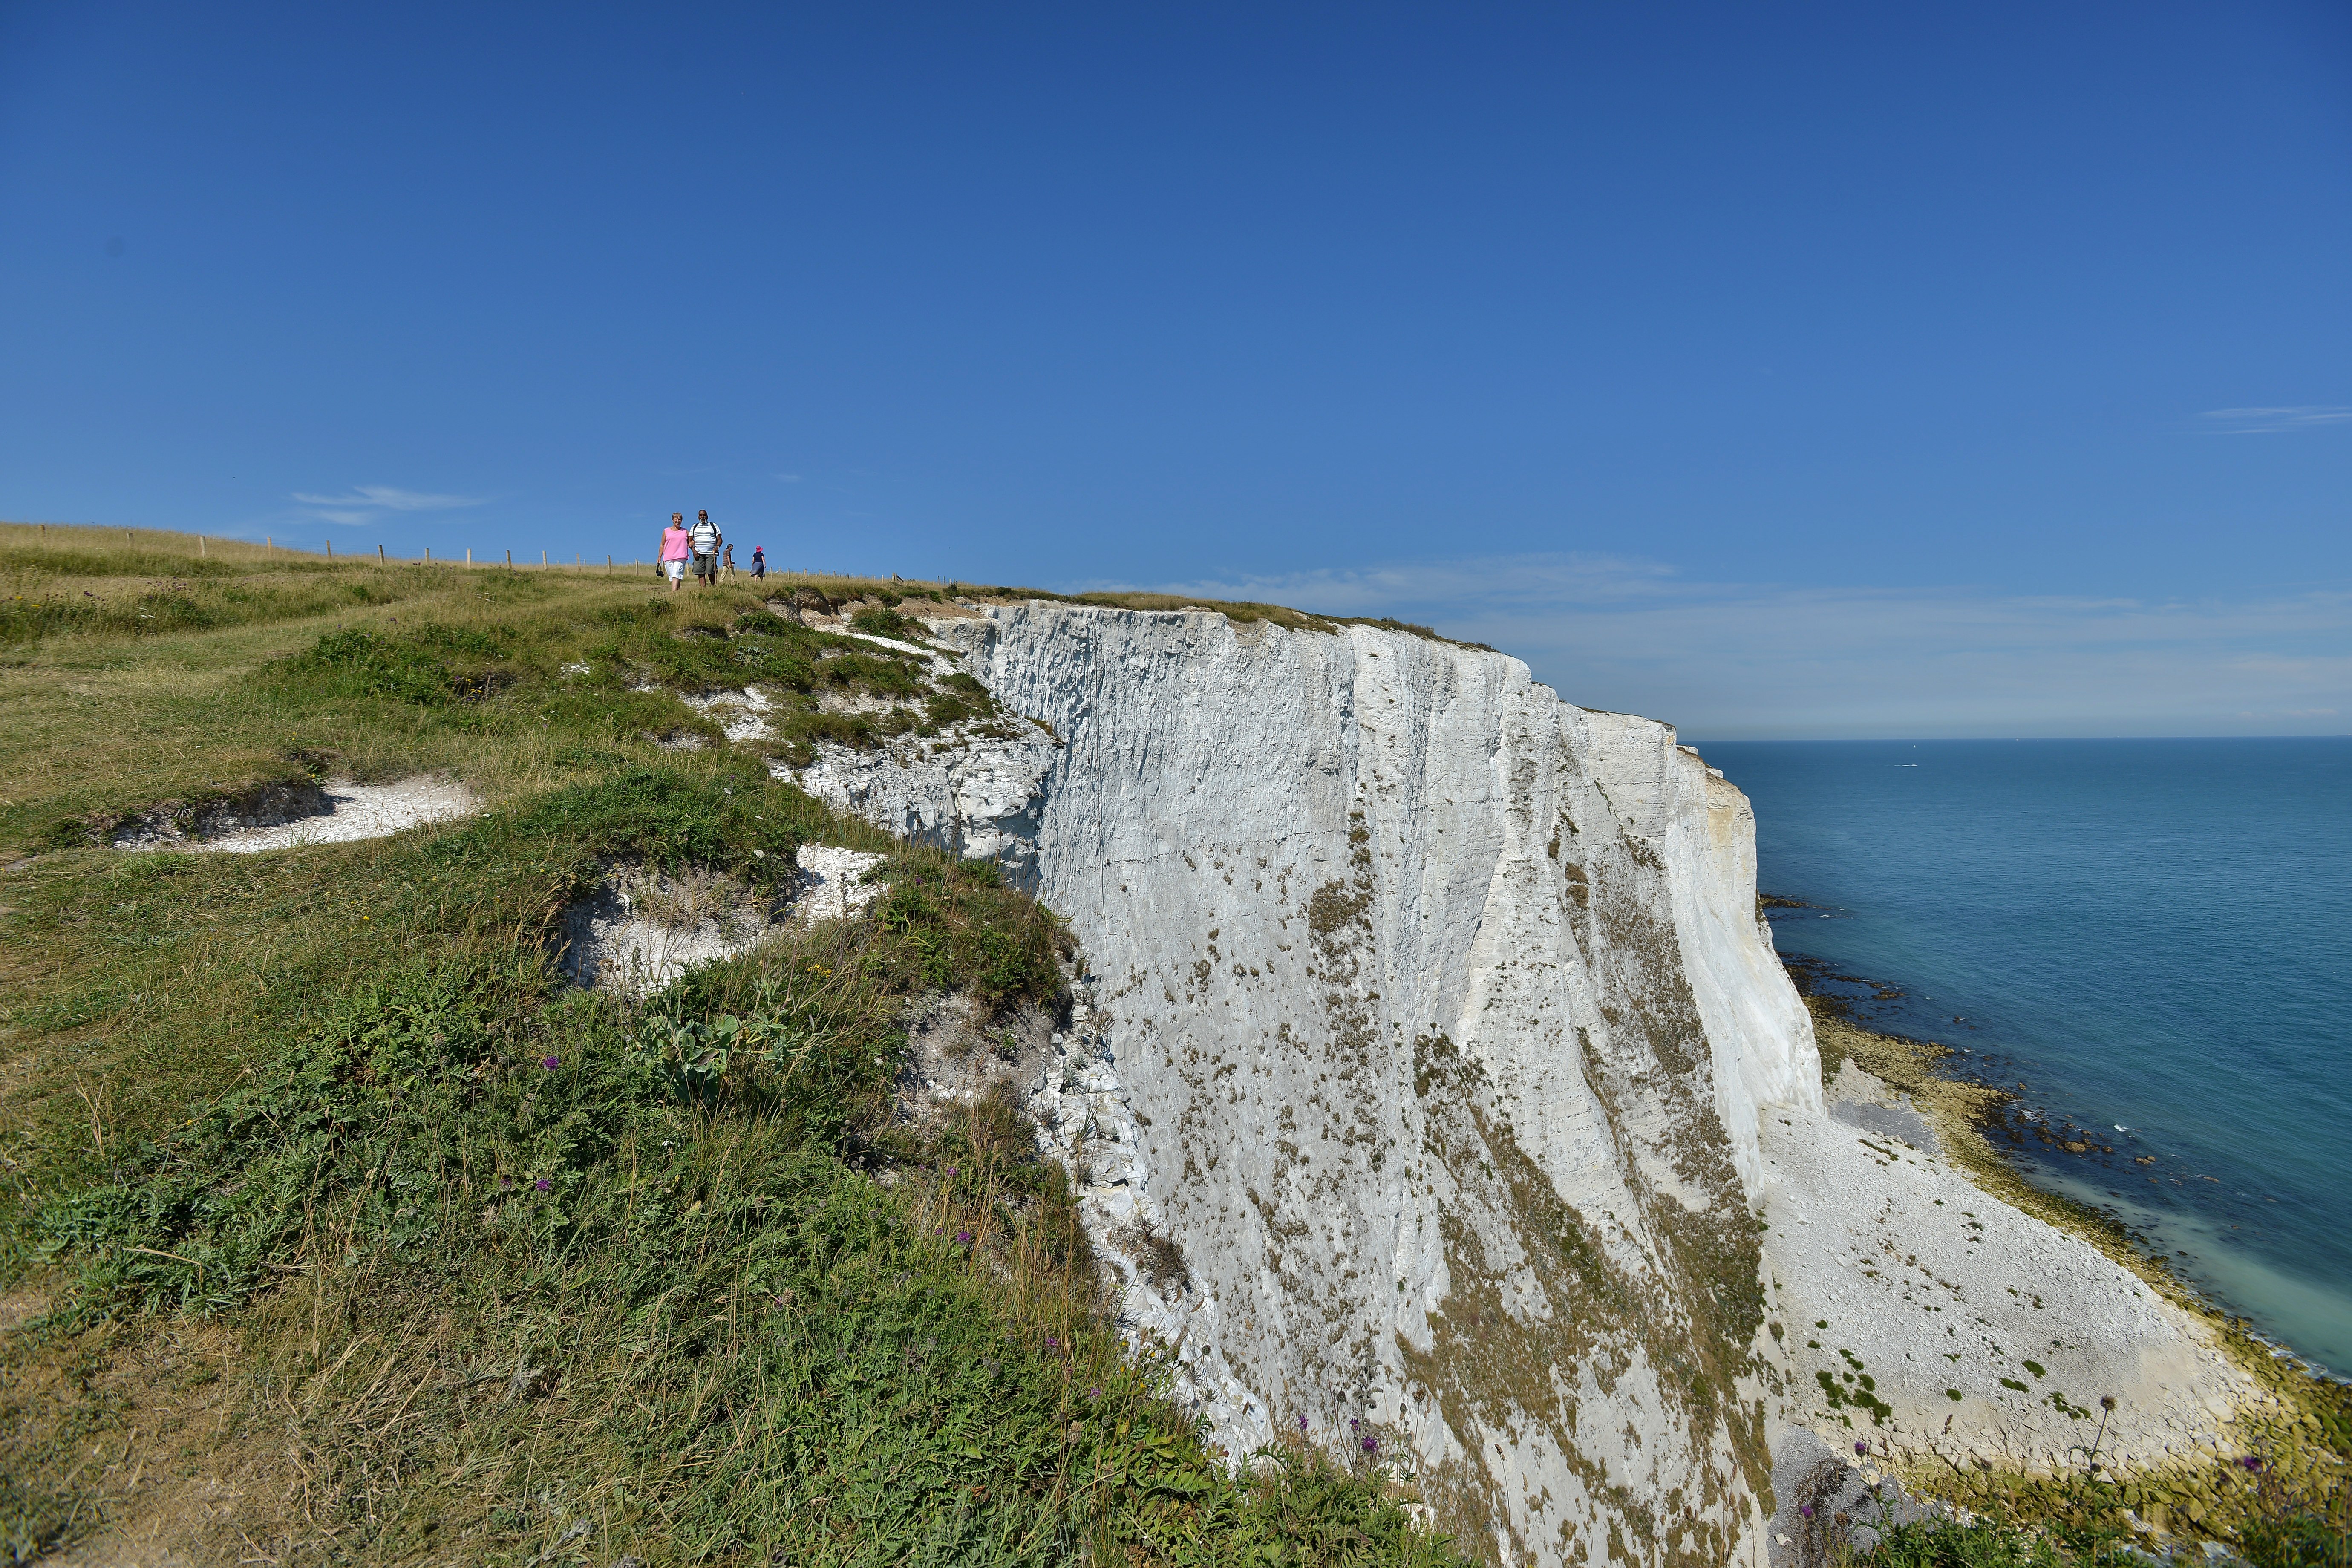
(1921, 370)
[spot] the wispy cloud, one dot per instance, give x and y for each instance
(385, 498)
(1729, 659)
(2276, 421)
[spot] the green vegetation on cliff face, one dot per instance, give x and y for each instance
(335, 1226)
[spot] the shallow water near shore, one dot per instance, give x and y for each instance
(2150, 940)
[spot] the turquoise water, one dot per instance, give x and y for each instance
(2149, 934)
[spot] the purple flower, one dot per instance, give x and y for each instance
(2251, 1462)
(1807, 1510)
(1860, 1447)
(550, 1063)
(1302, 1424)
(544, 1185)
(1372, 1445)
(506, 1181)
(963, 1238)
(951, 1170)
(1094, 1393)
(1352, 1425)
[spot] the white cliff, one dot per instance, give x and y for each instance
(1434, 1025)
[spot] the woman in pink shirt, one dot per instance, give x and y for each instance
(676, 546)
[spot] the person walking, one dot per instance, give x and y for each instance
(706, 549)
(727, 563)
(676, 546)
(759, 565)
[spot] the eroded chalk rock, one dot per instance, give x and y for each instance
(972, 790)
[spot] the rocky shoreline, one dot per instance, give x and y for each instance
(1989, 1128)
(2118, 1386)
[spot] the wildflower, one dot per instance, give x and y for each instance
(1302, 1424)
(2107, 1402)
(1807, 1510)
(963, 1238)
(549, 1063)
(1094, 1393)
(2251, 1462)
(506, 1181)
(951, 1171)
(544, 1185)
(1352, 1425)
(1052, 1343)
(1372, 1445)
(1860, 1447)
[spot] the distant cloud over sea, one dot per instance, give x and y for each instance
(1765, 659)
(2276, 421)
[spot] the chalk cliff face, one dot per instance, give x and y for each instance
(1431, 1024)
(1432, 1076)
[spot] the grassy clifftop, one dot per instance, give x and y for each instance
(335, 1226)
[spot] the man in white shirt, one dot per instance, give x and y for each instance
(706, 536)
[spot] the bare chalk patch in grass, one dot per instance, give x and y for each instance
(832, 884)
(644, 929)
(286, 816)
(742, 714)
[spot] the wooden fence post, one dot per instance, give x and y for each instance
(379, 556)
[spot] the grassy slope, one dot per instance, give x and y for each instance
(334, 1228)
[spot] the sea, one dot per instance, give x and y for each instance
(2149, 943)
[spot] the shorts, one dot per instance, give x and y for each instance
(705, 566)
(676, 570)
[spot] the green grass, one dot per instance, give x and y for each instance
(321, 1193)
(1987, 1544)
(270, 666)
(2290, 1538)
